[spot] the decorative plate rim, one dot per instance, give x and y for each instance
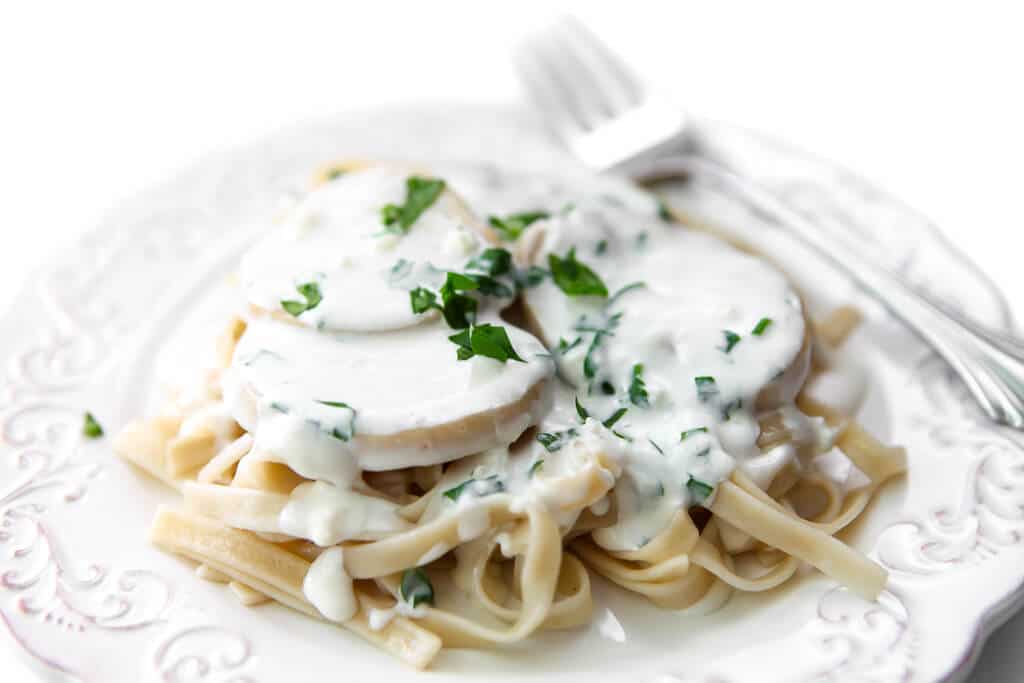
(996, 613)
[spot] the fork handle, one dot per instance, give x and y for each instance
(991, 364)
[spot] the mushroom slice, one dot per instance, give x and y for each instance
(327, 402)
(341, 259)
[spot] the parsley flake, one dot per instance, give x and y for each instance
(761, 326)
(494, 262)
(637, 389)
(706, 387)
(311, 292)
(699, 489)
(511, 227)
(91, 429)
(575, 278)
(731, 340)
(485, 340)
(690, 432)
(420, 194)
(416, 588)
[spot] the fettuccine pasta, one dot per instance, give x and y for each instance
(431, 428)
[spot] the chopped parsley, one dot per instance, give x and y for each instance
(690, 432)
(420, 194)
(492, 484)
(511, 227)
(485, 340)
(494, 262)
(529, 277)
(609, 422)
(622, 290)
(416, 588)
(334, 173)
(761, 326)
(91, 429)
(731, 340)
(575, 278)
(399, 270)
(601, 248)
(581, 411)
(422, 300)
(641, 240)
(553, 441)
(535, 466)
(664, 213)
(706, 387)
(731, 407)
(656, 446)
(589, 360)
(346, 431)
(565, 347)
(614, 417)
(699, 489)
(637, 388)
(310, 292)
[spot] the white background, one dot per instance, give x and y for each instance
(100, 99)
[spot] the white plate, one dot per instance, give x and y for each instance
(85, 595)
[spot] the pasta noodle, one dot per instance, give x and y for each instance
(419, 520)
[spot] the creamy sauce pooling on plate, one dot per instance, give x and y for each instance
(662, 346)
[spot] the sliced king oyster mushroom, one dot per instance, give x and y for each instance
(682, 304)
(329, 403)
(342, 268)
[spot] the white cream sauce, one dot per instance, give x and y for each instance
(398, 371)
(335, 238)
(329, 587)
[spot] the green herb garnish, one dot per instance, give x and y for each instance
(731, 340)
(601, 248)
(690, 432)
(416, 588)
(485, 340)
(511, 227)
(334, 173)
(552, 441)
(494, 485)
(530, 277)
(664, 213)
(494, 262)
(732, 406)
(581, 411)
(622, 290)
(589, 362)
(637, 388)
(575, 278)
(565, 347)
(761, 326)
(91, 429)
(420, 194)
(615, 417)
(656, 446)
(535, 466)
(311, 292)
(699, 489)
(706, 387)
(422, 300)
(641, 240)
(346, 432)
(399, 270)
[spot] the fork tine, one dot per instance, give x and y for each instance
(547, 91)
(618, 75)
(574, 76)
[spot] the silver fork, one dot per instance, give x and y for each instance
(604, 113)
